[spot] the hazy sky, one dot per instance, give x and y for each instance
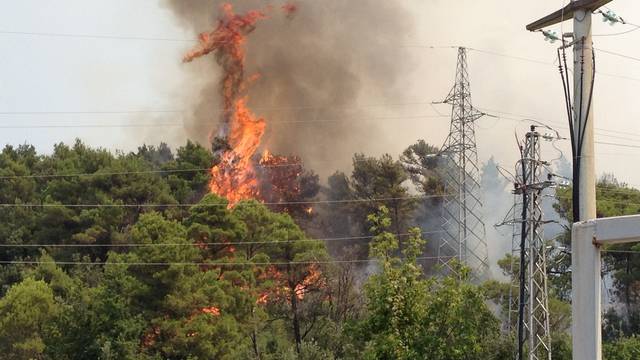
(69, 74)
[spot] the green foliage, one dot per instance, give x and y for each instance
(613, 199)
(420, 163)
(26, 312)
(623, 349)
(213, 282)
(409, 317)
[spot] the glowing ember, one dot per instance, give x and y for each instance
(284, 180)
(212, 310)
(290, 9)
(262, 299)
(313, 279)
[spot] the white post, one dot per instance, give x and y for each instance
(585, 296)
(583, 107)
(585, 255)
(585, 293)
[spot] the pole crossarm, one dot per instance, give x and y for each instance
(566, 13)
(614, 230)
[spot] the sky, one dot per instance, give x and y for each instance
(133, 82)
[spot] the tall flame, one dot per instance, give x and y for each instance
(241, 131)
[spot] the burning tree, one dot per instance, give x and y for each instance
(239, 135)
(284, 180)
(235, 175)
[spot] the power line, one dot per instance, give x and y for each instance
(619, 202)
(167, 171)
(619, 145)
(635, 27)
(254, 108)
(489, 52)
(88, 126)
(91, 112)
(416, 117)
(618, 54)
(35, 262)
(620, 251)
(237, 243)
(310, 202)
(524, 118)
(95, 36)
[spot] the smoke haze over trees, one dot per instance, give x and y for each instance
(314, 64)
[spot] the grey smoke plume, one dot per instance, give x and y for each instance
(315, 65)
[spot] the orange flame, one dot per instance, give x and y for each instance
(262, 299)
(290, 9)
(313, 279)
(234, 176)
(212, 310)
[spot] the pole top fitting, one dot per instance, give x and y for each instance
(566, 13)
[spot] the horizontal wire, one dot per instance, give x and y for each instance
(35, 262)
(40, 176)
(92, 36)
(415, 117)
(261, 108)
(620, 251)
(311, 202)
(91, 112)
(489, 52)
(88, 126)
(524, 118)
(635, 27)
(168, 171)
(618, 54)
(350, 238)
(619, 202)
(617, 144)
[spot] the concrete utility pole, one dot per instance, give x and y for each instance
(585, 258)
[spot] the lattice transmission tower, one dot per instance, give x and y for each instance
(464, 231)
(534, 339)
(515, 222)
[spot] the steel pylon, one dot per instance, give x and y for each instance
(464, 231)
(533, 317)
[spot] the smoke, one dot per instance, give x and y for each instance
(314, 64)
(498, 203)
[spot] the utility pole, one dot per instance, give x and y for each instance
(585, 259)
(464, 238)
(533, 305)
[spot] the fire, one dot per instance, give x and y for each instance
(284, 180)
(240, 135)
(290, 9)
(313, 279)
(212, 310)
(262, 299)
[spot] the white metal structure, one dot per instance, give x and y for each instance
(587, 237)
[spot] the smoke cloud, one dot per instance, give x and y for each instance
(315, 65)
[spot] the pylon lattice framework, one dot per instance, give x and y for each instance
(515, 222)
(464, 238)
(533, 314)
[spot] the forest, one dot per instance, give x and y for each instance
(128, 255)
